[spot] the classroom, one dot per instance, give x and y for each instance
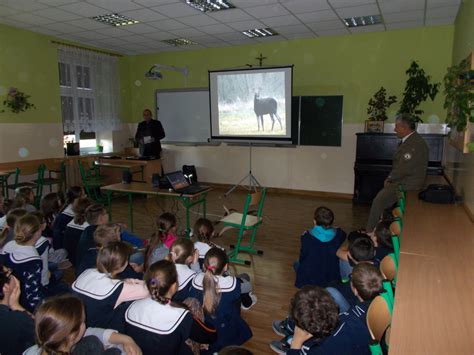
(297, 135)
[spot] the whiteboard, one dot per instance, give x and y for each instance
(185, 115)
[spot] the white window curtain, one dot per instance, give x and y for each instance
(90, 92)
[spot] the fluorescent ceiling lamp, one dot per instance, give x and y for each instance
(115, 20)
(179, 42)
(361, 21)
(210, 5)
(260, 32)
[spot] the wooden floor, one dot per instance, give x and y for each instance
(285, 218)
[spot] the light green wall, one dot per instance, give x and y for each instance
(354, 66)
(464, 31)
(28, 61)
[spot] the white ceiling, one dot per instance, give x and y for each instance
(168, 19)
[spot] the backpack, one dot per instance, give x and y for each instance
(436, 193)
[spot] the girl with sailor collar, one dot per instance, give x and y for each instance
(74, 229)
(159, 325)
(23, 258)
(65, 216)
(220, 296)
(105, 297)
(185, 257)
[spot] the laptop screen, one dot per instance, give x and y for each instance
(177, 180)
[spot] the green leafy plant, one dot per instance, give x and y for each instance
(417, 89)
(17, 101)
(379, 104)
(459, 95)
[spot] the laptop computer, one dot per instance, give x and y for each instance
(181, 185)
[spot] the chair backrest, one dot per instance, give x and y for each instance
(378, 317)
(388, 267)
(396, 228)
(254, 199)
(397, 212)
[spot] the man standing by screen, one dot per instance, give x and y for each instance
(408, 169)
(149, 133)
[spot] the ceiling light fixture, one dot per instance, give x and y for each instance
(361, 21)
(179, 42)
(210, 5)
(260, 32)
(115, 20)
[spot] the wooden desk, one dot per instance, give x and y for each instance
(434, 301)
(140, 188)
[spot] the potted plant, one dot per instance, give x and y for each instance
(17, 101)
(459, 102)
(377, 110)
(100, 148)
(417, 89)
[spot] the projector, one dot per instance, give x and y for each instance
(153, 75)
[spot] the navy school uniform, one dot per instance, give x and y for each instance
(18, 331)
(59, 226)
(99, 294)
(185, 279)
(42, 247)
(27, 266)
(163, 329)
(351, 336)
(318, 262)
(86, 242)
(72, 235)
(231, 328)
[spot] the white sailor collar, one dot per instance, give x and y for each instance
(41, 240)
(68, 211)
(21, 253)
(154, 317)
(95, 284)
(225, 283)
(74, 225)
(203, 248)
(185, 275)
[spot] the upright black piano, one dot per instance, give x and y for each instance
(374, 161)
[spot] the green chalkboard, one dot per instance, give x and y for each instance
(320, 120)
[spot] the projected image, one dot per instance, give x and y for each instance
(252, 104)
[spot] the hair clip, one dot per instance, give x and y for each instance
(211, 267)
(154, 282)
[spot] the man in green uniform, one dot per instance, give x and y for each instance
(408, 169)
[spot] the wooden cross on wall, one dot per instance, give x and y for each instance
(260, 59)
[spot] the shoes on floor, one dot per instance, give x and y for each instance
(254, 301)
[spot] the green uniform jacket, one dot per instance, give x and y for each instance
(410, 163)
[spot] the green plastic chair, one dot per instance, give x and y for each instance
(389, 270)
(36, 185)
(91, 182)
(396, 249)
(59, 179)
(245, 222)
(379, 318)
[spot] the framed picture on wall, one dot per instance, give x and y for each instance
(373, 127)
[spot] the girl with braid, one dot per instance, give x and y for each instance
(158, 322)
(221, 299)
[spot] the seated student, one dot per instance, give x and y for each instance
(4, 207)
(203, 233)
(361, 250)
(51, 205)
(157, 322)
(318, 263)
(184, 256)
(65, 215)
(18, 327)
(315, 316)
(105, 297)
(60, 329)
(26, 196)
(96, 215)
(160, 242)
(74, 229)
(8, 230)
(23, 258)
(220, 297)
(382, 238)
(346, 259)
(351, 335)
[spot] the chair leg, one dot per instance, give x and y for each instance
(233, 255)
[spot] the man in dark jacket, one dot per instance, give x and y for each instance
(149, 133)
(408, 169)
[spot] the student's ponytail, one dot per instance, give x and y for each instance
(181, 250)
(214, 264)
(25, 228)
(12, 216)
(79, 208)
